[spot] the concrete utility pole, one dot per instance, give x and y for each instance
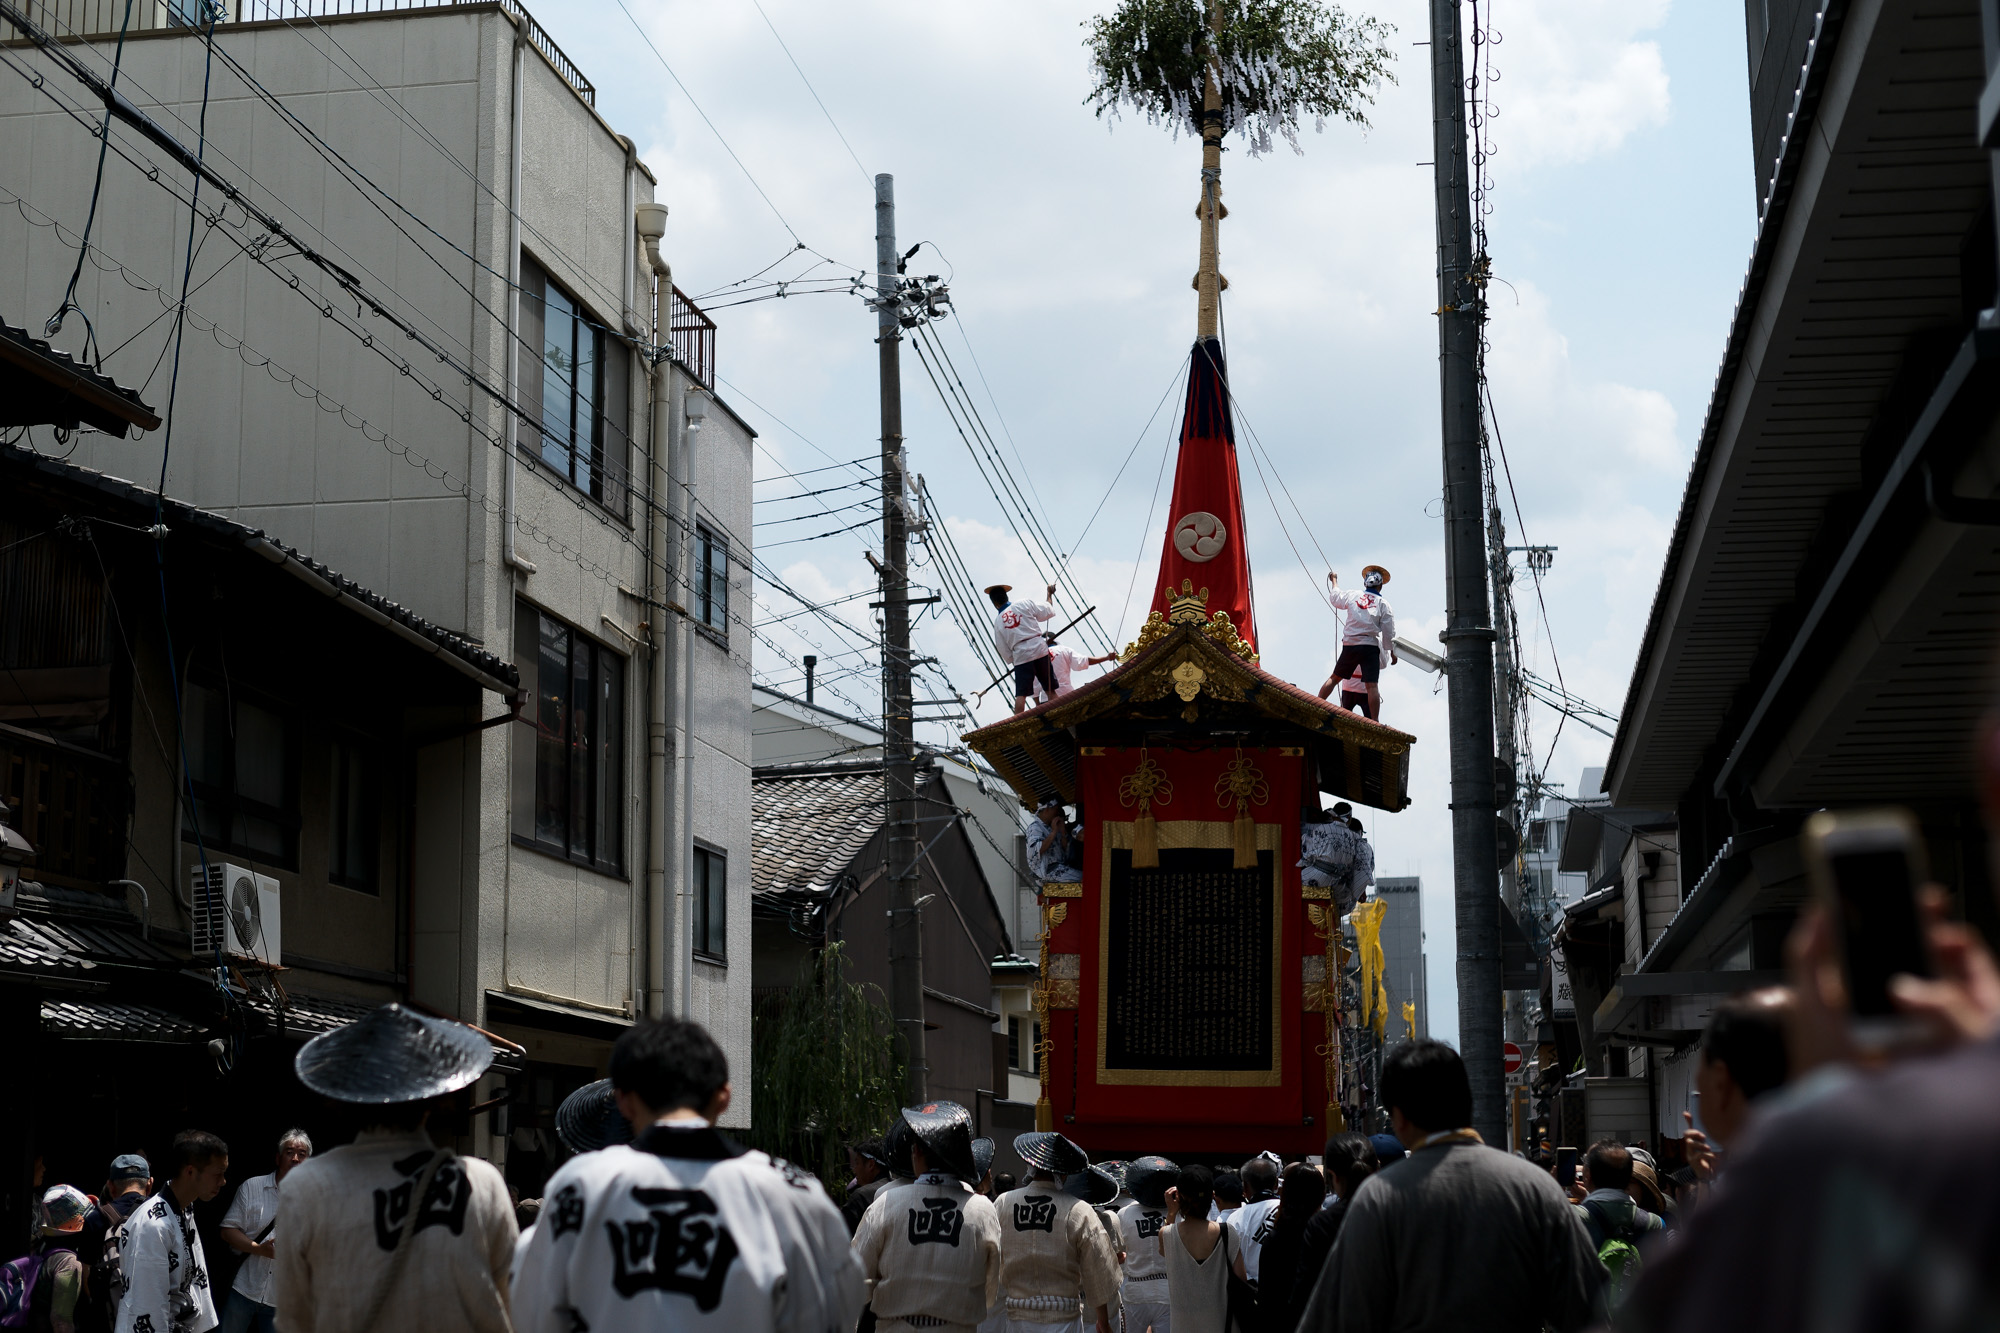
(1468, 631)
(906, 934)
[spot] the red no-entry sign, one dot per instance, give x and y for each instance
(1513, 1057)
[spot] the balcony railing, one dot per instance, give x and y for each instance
(69, 803)
(691, 335)
(102, 18)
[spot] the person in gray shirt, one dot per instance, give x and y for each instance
(1457, 1237)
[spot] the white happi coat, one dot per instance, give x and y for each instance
(1369, 620)
(1145, 1267)
(932, 1248)
(682, 1229)
(166, 1275)
(1338, 849)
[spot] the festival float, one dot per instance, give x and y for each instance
(1189, 994)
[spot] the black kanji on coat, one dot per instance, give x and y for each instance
(680, 1246)
(938, 1222)
(1035, 1213)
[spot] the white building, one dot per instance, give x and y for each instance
(458, 236)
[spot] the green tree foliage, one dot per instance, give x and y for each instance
(829, 1069)
(1278, 61)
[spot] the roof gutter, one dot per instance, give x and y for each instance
(279, 556)
(1813, 75)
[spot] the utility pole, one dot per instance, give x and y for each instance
(906, 935)
(1468, 631)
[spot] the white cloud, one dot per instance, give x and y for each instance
(1576, 79)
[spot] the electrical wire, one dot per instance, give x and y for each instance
(814, 91)
(55, 321)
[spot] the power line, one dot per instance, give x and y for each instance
(815, 92)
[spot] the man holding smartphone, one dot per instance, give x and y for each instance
(1742, 1058)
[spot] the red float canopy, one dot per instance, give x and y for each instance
(1205, 528)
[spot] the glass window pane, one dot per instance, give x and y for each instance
(558, 381)
(552, 735)
(528, 353)
(205, 721)
(711, 937)
(717, 599)
(260, 754)
(611, 761)
(617, 424)
(582, 708)
(699, 872)
(526, 743)
(589, 345)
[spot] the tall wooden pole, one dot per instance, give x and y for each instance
(1468, 631)
(1208, 281)
(906, 934)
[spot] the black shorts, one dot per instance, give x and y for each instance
(1042, 669)
(1364, 655)
(1355, 699)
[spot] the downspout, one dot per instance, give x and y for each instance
(635, 925)
(684, 724)
(650, 222)
(508, 555)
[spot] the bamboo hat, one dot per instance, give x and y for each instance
(588, 1119)
(1046, 1150)
(1148, 1178)
(945, 1130)
(982, 1157)
(1366, 570)
(393, 1055)
(897, 1141)
(998, 587)
(1094, 1185)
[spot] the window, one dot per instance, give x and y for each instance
(711, 904)
(354, 819)
(575, 386)
(1021, 1042)
(569, 776)
(1013, 1043)
(711, 580)
(242, 762)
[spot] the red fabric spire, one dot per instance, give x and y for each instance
(1205, 528)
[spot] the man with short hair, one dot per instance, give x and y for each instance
(1145, 1294)
(392, 1233)
(1017, 635)
(1052, 1245)
(682, 1228)
(247, 1228)
(1457, 1235)
(1252, 1222)
(126, 1186)
(1607, 1211)
(932, 1247)
(163, 1273)
(1743, 1057)
(1066, 662)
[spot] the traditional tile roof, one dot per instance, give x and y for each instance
(809, 821)
(106, 1020)
(42, 386)
(28, 954)
(492, 671)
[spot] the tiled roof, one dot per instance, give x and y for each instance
(75, 391)
(808, 822)
(25, 950)
(104, 1020)
(102, 943)
(494, 672)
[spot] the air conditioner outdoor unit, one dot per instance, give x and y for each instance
(236, 912)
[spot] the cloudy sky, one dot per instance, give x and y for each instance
(1623, 211)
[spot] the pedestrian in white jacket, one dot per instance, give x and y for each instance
(1368, 636)
(681, 1228)
(1018, 637)
(163, 1276)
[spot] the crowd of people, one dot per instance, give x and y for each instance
(1794, 1210)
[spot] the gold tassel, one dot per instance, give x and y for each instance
(1336, 1122)
(1045, 1115)
(1246, 837)
(1145, 842)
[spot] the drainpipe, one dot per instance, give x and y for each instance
(508, 555)
(683, 465)
(650, 222)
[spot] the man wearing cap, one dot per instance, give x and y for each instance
(1052, 1246)
(868, 1162)
(682, 1228)
(1139, 1224)
(163, 1273)
(247, 1228)
(126, 1186)
(1368, 636)
(932, 1247)
(1017, 635)
(55, 1296)
(391, 1233)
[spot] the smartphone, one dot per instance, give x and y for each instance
(1865, 866)
(1566, 1168)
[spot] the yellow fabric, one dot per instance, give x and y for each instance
(1367, 919)
(1410, 1017)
